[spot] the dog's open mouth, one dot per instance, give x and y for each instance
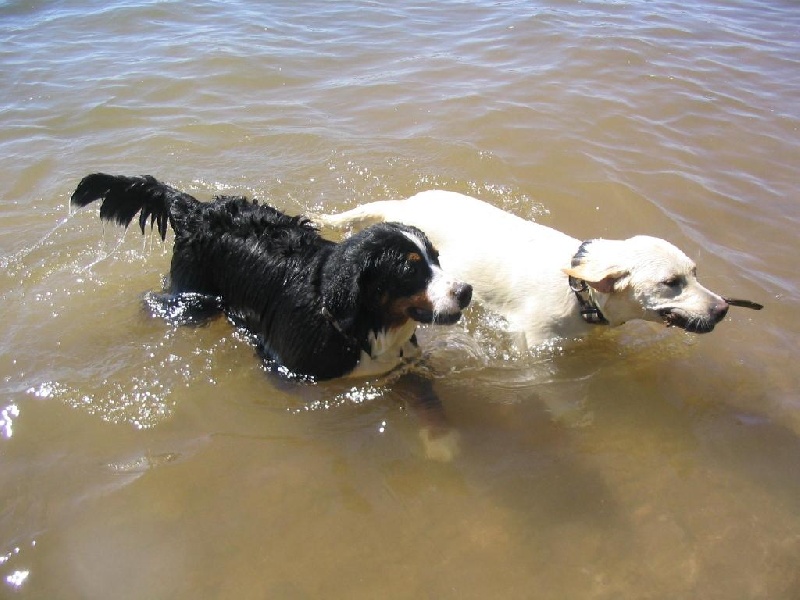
(674, 317)
(422, 315)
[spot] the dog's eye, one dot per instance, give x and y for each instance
(672, 282)
(409, 267)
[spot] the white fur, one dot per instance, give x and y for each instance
(387, 350)
(518, 268)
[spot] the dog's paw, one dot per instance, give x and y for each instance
(570, 412)
(440, 446)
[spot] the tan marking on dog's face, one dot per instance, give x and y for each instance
(397, 309)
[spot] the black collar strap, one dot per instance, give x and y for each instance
(351, 341)
(589, 310)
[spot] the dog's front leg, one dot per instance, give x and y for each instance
(439, 440)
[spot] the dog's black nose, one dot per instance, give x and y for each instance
(719, 310)
(463, 294)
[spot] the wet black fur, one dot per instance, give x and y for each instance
(273, 273)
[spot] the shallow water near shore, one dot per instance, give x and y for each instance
(143, 460)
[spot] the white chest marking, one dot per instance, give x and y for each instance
(387, 350)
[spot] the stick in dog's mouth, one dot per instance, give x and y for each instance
(743, 303)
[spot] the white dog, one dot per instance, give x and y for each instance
(544, 282)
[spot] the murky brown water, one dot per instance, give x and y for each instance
(139, 460)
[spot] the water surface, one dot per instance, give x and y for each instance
(141, 460)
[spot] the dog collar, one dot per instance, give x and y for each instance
(351, 341)
(589, 310)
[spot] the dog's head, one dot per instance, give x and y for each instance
(390, 274)
(647, 278)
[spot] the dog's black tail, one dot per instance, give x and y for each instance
(124, 196)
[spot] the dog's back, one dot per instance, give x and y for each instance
(215, 242)
(221, 246)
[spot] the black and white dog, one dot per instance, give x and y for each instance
(317, 308)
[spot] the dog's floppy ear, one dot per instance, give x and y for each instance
(341, 294)
(593, 264)
(347, 278)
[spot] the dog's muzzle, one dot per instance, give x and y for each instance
(677, 317)
(461, 293)
(429, 317)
